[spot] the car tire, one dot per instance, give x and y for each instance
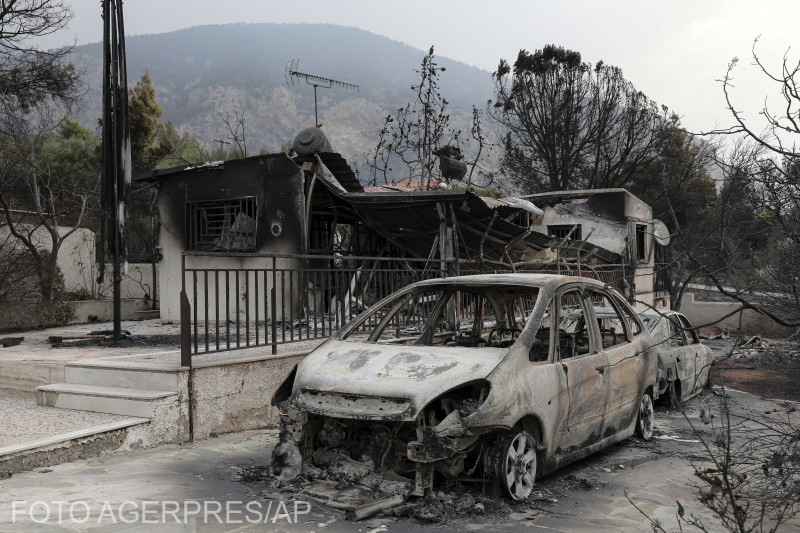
(645, 418)
(516, 465)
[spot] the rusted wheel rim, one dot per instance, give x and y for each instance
(646, 417)
(519, 466)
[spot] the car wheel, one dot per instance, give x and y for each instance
(517, 462)
(644, 422)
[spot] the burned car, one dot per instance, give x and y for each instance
(684, 363)
(504, 377)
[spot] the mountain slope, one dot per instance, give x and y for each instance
(203, 72)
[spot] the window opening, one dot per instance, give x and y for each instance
(611, 324)
(222, 225)
(641, 242)
(561, 231)
(573, 333)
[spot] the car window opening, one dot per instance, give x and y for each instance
(467, 317)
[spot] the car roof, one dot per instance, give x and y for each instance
(525, 279)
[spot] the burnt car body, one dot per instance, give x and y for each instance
(684, 363)
(506, 376)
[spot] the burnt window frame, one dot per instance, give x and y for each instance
(560, 231)
(641, 242)
(198, 239)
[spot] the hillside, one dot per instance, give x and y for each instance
(202, 72)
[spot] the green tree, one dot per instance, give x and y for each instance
(146, 130)
(48, 183)
(679, 187)
(570, 125)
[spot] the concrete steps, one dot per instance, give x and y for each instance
(134, 376)
(130, 389)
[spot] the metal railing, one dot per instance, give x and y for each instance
(280, 299)
(268, 300)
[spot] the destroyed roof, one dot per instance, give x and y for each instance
(341, 170)
(484, 230)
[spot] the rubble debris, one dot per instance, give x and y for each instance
(252, 474)
(102, 335)
(371, 509)
(11, 341)
(752, 340)
(287, 462)
(107, 333)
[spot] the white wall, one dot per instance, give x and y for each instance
(75, 257)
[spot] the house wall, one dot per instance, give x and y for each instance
(277, 183)
(609, 219)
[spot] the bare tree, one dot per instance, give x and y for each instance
(416, 133)
(750, 477)
(235, 134)
(34, 183)
(763, 201)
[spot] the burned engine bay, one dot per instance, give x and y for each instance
(392, 458)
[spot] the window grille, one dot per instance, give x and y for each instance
(561, 231)
(222, 225)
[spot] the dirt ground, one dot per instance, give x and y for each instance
(764, 367)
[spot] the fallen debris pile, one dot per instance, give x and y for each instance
(767, 367)
(355, 488)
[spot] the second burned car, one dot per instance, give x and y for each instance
(684, 363)
(506, 377)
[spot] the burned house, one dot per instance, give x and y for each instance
(220, 215)
(617, 222)
(232, 231)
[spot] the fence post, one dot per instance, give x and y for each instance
(186, 335)
(273, 311)
(186, 357)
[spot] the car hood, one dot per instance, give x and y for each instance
(385, 382)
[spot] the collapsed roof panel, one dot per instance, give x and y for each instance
(487, 229)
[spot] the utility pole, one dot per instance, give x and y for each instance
(116, 148)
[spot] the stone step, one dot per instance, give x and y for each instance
(64, 447)
(102, 399)
(132, 376)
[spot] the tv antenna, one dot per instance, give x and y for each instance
(291, 74)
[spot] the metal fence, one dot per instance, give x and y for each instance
(278, 299)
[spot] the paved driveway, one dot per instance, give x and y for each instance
(193, 488)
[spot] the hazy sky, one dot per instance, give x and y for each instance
(673, 51)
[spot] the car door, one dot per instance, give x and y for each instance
(702, 358)
(626, 365)
(585, 391)
(684, 355)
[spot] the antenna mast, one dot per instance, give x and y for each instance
(291, 74)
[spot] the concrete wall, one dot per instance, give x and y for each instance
(227, 396)
(104, 310)
(20, 378)
(75, 257)
(235, 396)
(136, 282)
(703, 313)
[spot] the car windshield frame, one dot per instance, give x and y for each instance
(471, 309)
